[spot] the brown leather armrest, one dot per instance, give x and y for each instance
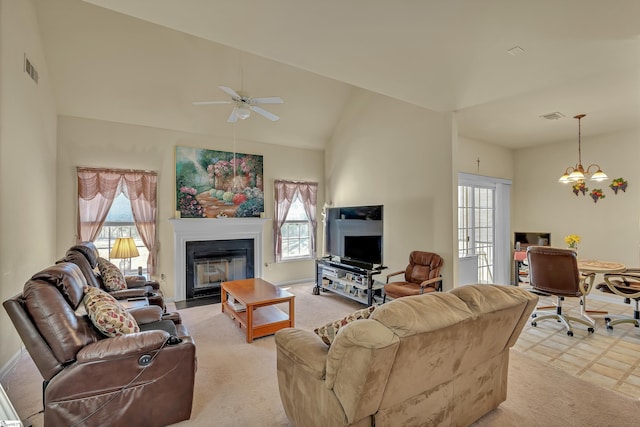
(148, 314)
(115, 348)
(128, 293)
(394, 274)
(430, 281)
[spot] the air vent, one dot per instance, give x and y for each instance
(30, 69)
(553, 116)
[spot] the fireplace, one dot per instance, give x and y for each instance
(211, 262)
(198, 230)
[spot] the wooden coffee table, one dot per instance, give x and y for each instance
(253, 306)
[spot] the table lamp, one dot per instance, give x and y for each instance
(123, 248)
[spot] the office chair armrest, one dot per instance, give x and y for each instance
(586, 282)
(394, 274)
(430, 281)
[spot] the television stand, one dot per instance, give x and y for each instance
(347, 280)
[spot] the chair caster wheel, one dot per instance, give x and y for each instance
(534, 324)
(570, 333)
(316, 291)
(534, 315)
(591, 330)
(609, 328)
(607, 319)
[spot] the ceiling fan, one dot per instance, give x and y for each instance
(243, 105)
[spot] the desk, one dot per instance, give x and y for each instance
(602, 267)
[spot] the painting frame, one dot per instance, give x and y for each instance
(218, 184)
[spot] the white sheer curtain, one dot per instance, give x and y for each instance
(285, 192)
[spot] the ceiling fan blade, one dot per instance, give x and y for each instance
(233, 117)
(264, 113)
(211, 102)
(267, 100)
(232, 93)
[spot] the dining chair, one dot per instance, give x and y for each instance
(627, 285)
(555, 272)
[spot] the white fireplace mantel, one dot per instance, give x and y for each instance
(200, 229)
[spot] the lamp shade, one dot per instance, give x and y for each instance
(124, 247)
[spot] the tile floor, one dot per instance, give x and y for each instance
(608, 358)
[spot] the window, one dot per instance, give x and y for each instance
(295, 224)
(119, 223)
(119, 203)
(296, 232)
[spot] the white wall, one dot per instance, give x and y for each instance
(27, 162)
(96, 143)
(392, 153)
(610, 228)
(495, 161)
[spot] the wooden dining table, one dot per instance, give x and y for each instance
(600, 267)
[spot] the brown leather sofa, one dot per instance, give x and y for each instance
(85, 255)
(143, 378)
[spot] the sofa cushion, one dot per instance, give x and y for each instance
(328, 332)
(111, 275)
(107, 314)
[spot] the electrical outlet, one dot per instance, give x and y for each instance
(162, 276)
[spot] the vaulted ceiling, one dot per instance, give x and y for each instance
(145, 61)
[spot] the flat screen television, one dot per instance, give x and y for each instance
(353, 235)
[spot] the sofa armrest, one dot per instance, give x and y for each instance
(304, 348)
(122, 346)
(128, 293)
(136, 281)
(147, 314)
(361, 358)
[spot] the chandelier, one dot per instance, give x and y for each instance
(577, 173)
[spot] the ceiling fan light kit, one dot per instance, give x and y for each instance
(244, 105)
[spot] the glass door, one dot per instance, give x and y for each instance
(483, 229)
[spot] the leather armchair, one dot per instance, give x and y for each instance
(421, 276)
(554, 271)
(85, 255)
(144, 378)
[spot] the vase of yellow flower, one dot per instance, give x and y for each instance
(572, 240)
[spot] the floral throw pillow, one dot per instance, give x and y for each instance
(107, 314)
(328, 332)
(111, 276)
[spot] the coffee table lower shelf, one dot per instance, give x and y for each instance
(265, 320)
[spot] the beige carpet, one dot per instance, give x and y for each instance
(236, 382)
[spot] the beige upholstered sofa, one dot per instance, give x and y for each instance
(426, 360)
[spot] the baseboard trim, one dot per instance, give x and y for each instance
(11, 363)
(294, 282)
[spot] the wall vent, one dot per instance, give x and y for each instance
(552, 116)
(30, 69)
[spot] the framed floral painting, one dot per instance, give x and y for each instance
(217, 184)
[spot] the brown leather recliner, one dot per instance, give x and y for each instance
(85, 255)
(421, 276)
(143, 378)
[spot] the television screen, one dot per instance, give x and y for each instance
(363, 248)
(354, 234)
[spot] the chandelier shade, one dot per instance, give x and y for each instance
(577, 173)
